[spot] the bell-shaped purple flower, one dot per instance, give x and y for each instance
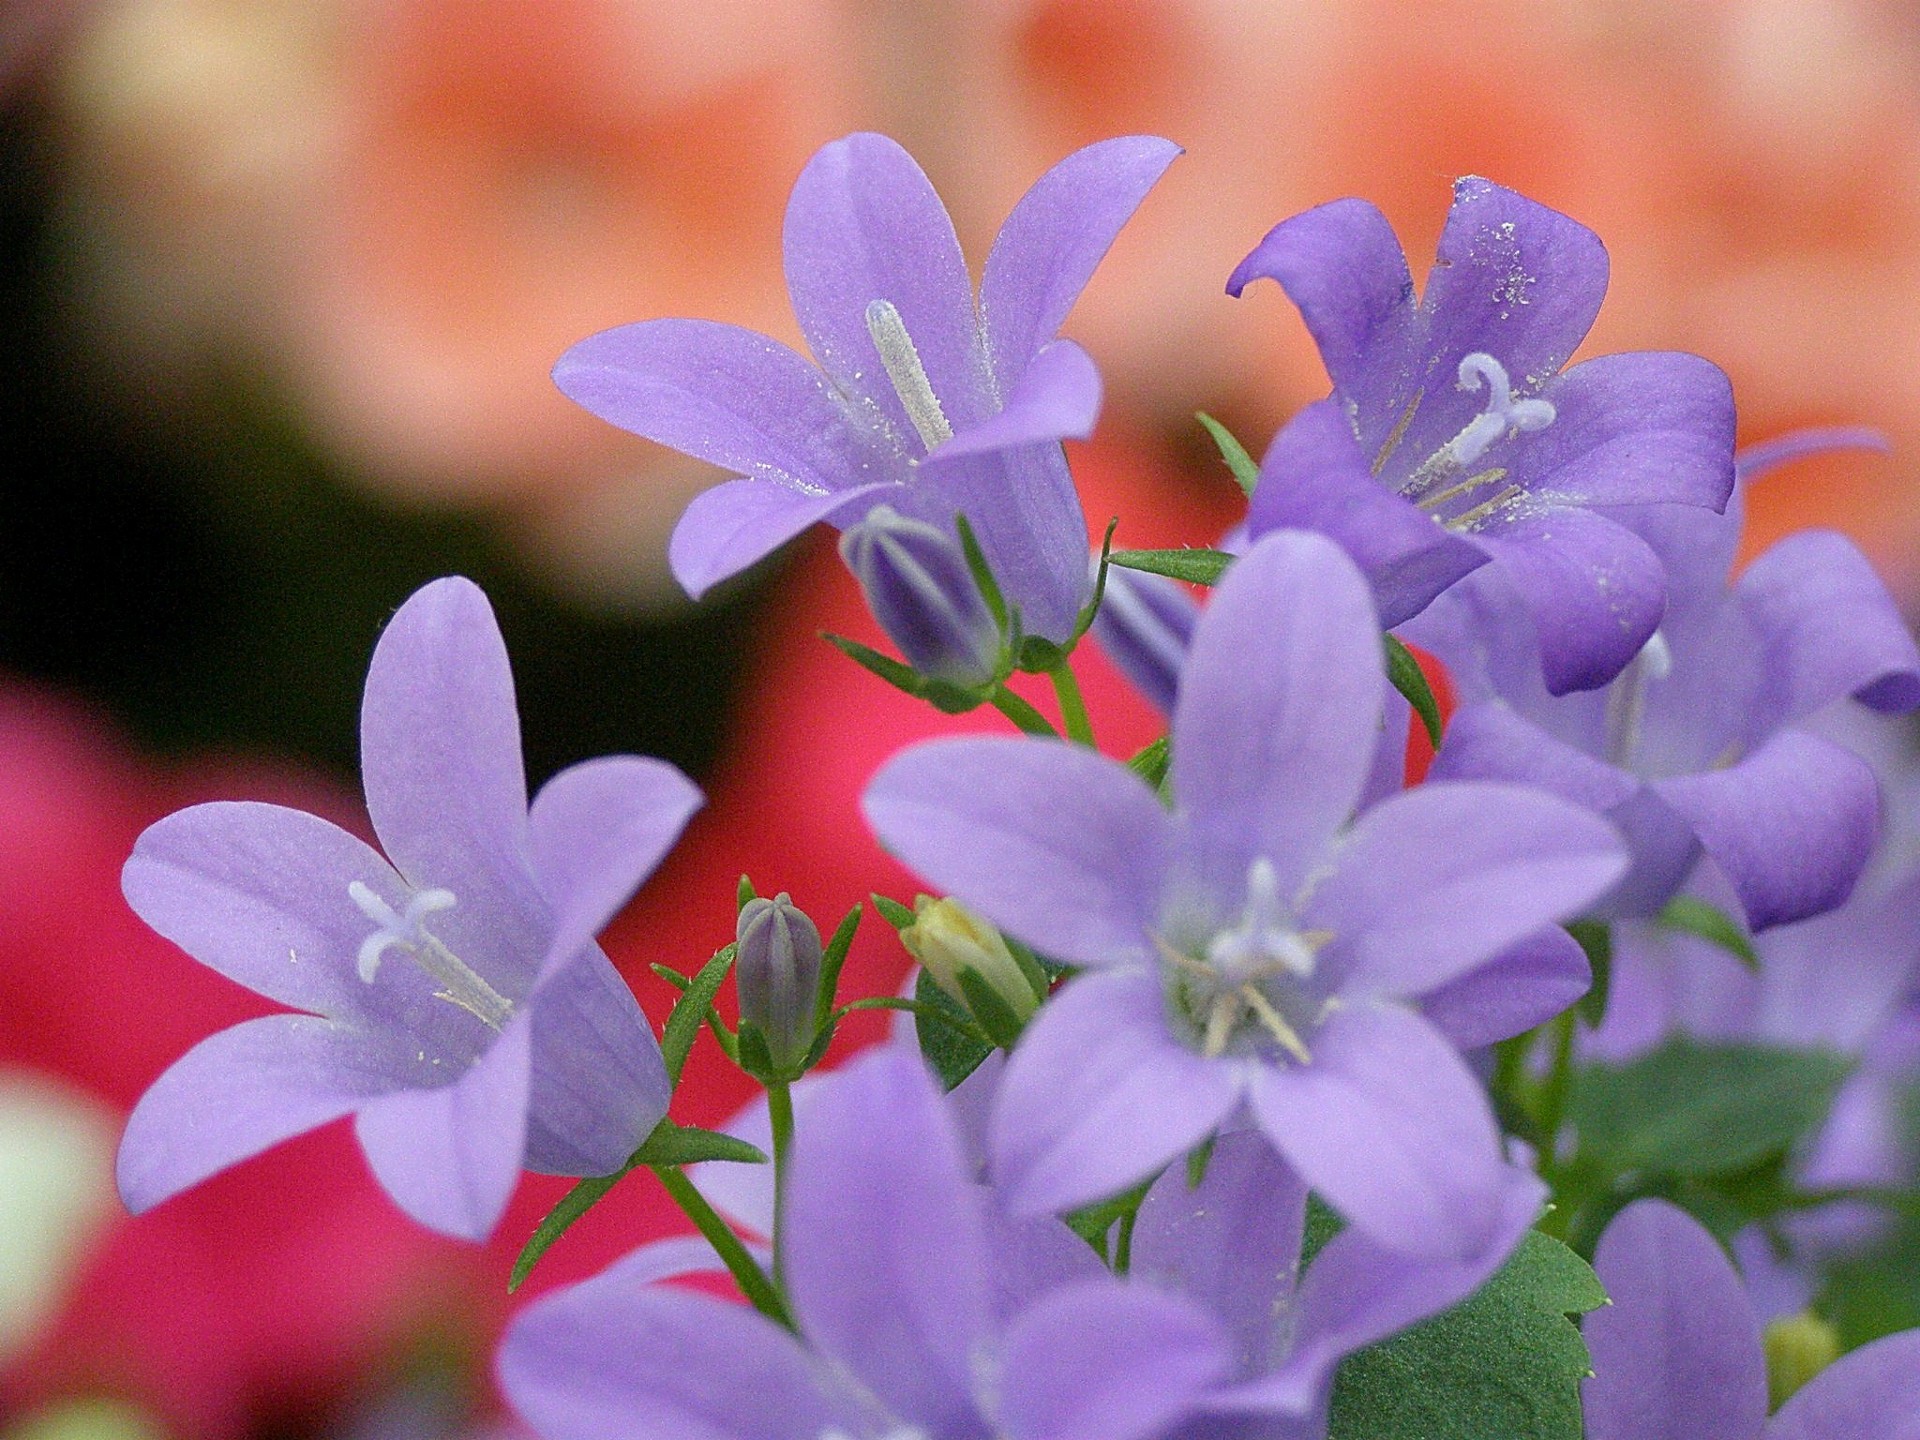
(921, 1310)
(455, 1001)
(919, 587)
(918, 398)
(1677, 1355)
(1145, 623)
(1453, 439)
(1252, 947)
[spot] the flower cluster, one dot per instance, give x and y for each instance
(1245, 1089)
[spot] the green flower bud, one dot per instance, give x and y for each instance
(949, 940)
(1798, 1348)
(777, 970)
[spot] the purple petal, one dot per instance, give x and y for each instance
(1830, 628)
(615, 1360)
(734, 525)
(259, 893)
(1524, 986)
(242, 1091)
(736, 398)
(885, 1242)
(1060, 846)
(1488, 741)
(1056, 398)
(1232, 1242)
(1389, 1125)
(1653, 427)
(1833, 981)
(1792, 825)
(1758, 460)
(449, 1156)
(1049, 246)
(1676, 1356)
(1314, 477)
(863, 224)
(1430, 883)
(598, 829)
(1595, 591)
(1341, 265)
(1104, 1361)
(1099, 1095)
(599, 1082)
(1280, 703)
(1875, 1392)
(1145, 623)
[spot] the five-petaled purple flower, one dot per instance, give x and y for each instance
(922, 1312)
(1677, 1354)
(458, 1006)
(919, 400)
(1453, 439)
(1251, 947)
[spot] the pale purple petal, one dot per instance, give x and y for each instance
(1792, 825)
(1834, 980)
(1665, 852)
(1676, 1356)
(242, 1091)
(1099, 1095)
(1056, 398)
(259, 893)
(1430, 883)
(1053, 843)
(1489, 741)
(599, 1082)
(598, 829)
(1524, 986)
(736, 398)
(741, 522)
(1875, 1392)
(612, 1360)
(1389, 1125)
(1315, 477)
(450, 1156)
(1758, 460)
(1032, 1255)
(863, 224)
(1388, 775)
(1105, 1361)
(885, 1242)
(1279, 706)
(1055, 237)
(1232, 1242)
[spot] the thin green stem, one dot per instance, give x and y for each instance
(746, 1271)
(1073, 708)
(780, 1112)
(1554, 1093)
(1023, 715)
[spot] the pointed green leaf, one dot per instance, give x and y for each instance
(1411, 681)
(672, 1144)
(952, 1049)
(1233, 452)
(892, 911)
(834, 957)
(1694, 916)
(1201, 567)
(895, 673)
(575, 1203)
(1151, 761)
(690, 1012)
(1596, 939)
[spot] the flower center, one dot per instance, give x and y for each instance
(406, 930)
(1627, 699)
(1462, 504)
(909, 375)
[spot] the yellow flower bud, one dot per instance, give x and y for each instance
(947, 938)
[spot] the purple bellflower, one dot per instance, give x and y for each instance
(918, 399)
(1251, 949)
(1677, 1355)
(1697, 745)
(455, 1001)
(1453, 439)
(921, 1311)
(1144, 624)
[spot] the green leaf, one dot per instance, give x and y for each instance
(672, 1144)
(1151, 761)
(892, 911)
(1201, 567)
(1694, 916)
(1233, 452)
(690, 1012)
(833, 958)
(982, 572)
(1690, 1109)
(1506, 1364)
(1095, 1222)
(900, 676)
(996, 1017)
(1411, 681)
(1596, 939)
(950, 1049)
(575, 1203)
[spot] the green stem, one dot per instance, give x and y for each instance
(1023, 715)
(1073, 708)
(1554, 1093)
(780, 1112)
(746, 1271)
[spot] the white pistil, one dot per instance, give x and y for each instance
(1627, 701)
(406, 930)
(908, 374)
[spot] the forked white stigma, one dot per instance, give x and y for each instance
(1503, 414)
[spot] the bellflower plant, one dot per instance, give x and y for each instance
(455, 1003)
(918, 398)
(1250, 948)
(1453, 439)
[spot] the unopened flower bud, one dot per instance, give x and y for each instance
(948, 939)
(777, 969)
(920, 589)
(1798, 1348)
(1145, 624)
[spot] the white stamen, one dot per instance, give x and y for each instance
(908, 374)
(1627, 698)
(406, 930)
(1503, 415)
(1657, 656)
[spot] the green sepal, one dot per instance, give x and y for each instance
(1199, 567)
(943, 695)
(1038, 655)
(982, 572)
(1693, 916)
(1595, 938)
(822, 1038)
(1150, 762)
(833, 958)
(952, 1048)
(1233, 452)
(1093, 1223)
(892, 911)
(690, 1011)
(996, 1017)
(754, 1056)
(1037, 971)
(1411, 681)
(743, 893)
(1198, 1159)
(1092, 608)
